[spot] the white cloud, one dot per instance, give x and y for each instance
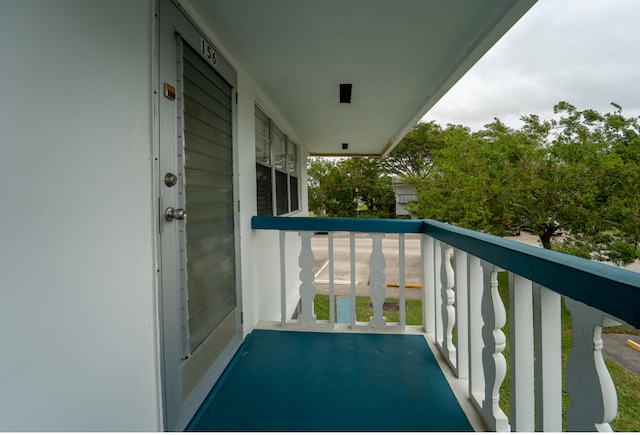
(581, 51)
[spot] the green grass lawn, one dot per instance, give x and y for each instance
(363, 313)
(627, 383)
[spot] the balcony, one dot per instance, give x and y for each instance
(301, 373)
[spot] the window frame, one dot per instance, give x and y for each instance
(284, 164)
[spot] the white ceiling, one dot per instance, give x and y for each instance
(400, 55)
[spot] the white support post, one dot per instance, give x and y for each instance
(493, 361)
(548, 369)
(475, 291)
(377, 291)
(428, 284)
(352, 261)
(461, 278)
(594, 402)
(307, 287)
(332, 293)
(283, 283)
(402, 281)
(522, 354)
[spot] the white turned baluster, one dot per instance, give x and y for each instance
(377, 290)
(589, 384)
(522, 356)
(307, 288)
(494, 364)
(447, 299)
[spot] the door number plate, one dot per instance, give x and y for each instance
(208, 52)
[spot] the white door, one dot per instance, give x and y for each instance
(200, 316)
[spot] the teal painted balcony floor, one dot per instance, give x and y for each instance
(312, 381)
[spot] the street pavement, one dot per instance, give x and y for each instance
(616, 348)
(342, 264)
(532, 240)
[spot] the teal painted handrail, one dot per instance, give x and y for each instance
(611, 289)
(336, 224)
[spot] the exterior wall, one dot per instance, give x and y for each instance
(260, 250)
(77, 258)
(79, 296)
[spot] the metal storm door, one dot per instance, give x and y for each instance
(200, 316)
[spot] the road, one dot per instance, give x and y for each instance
(342, 264)
(532, 240)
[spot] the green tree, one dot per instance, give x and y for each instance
(330, 190)
(372, 186)
(475, 176)
(412, 159)
(350, 187)
(578, 175)
(597, 157)
(318, 169)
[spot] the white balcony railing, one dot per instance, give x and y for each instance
(460, 292)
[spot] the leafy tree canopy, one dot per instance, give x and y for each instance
(411, 159)
(578, 174)
(350, 188)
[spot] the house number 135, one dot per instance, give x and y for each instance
(208, 52)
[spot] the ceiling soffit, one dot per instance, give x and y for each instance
(400, 56)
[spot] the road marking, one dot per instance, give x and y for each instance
(326, 281)
(321, 269)
(395, 284)
(337, 281)
(633, 345)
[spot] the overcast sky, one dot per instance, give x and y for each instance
(586, 52)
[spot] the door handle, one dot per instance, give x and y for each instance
(172, 214)
(170, 179)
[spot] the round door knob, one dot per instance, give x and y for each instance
(172, 214)
(170, 179)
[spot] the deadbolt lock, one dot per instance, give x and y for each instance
(170, 179)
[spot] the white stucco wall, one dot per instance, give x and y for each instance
(261, 249)
(78, 326)
(79, 347)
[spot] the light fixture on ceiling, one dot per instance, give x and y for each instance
(345, 92)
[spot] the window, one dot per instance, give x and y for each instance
(263, 165)
(276, 169)
(292, 171)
